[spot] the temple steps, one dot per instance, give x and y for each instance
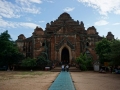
(71, 69)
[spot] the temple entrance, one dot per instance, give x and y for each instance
(65, 56)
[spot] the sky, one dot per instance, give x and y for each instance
(22, 16)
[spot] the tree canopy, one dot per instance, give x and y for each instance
(42, 61)
(84, 62)
(108, 51)
(103, 49)
(28, 62)
(9, 53)
(115, 52)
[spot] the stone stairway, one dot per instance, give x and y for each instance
(71, 69)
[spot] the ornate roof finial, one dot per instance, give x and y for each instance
(82, 24)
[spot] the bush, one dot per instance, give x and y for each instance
(83, 67)
(42, 62)
(28, 63)
(84, 62)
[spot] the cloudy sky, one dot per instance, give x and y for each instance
(22, 16)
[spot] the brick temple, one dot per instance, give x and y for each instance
(65, 39)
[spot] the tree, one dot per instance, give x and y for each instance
(84, 62)
(28, 63)
(115, 52)
(103, 49)
(9, 53)
(42, 61)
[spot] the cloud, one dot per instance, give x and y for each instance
(28, 25)
(0, 17)
(28, 2)
(116, 24)
(28, 6)
(10, 10)
(31, 10)
(36, 1)
(104, 17)
(9, 24)
(101, 23)
(50, 1)
(28, 19)
(68, 9)
(117, 12)
(103, 6)
(41, 21)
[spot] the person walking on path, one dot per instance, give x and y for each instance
(63, 67)
(67, 68)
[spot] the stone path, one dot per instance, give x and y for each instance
(63, 82)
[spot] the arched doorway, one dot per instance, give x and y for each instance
(65, 56)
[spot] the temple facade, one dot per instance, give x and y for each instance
(64, 39)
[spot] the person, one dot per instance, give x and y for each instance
(62, 67)
(67, 68)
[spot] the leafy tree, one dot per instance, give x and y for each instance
(28, 63)
(42, 61)
(84, 62)
(80, 59)
(115, 52)
(9, 54)
(103, 49)
(88, 62)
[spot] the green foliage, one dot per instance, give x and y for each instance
(103, 49)
(9, 54)
(84, 62)
(108, 51)
(28, 62)
(88, 62)
(79, 60)
(42, 61)
(115, 52)
(83, 67)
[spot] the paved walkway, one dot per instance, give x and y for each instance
(63, 82)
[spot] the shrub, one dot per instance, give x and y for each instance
(42, 62)
(28, 63)
(84, 62)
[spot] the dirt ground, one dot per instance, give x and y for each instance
(40, 80)
(96, 81)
